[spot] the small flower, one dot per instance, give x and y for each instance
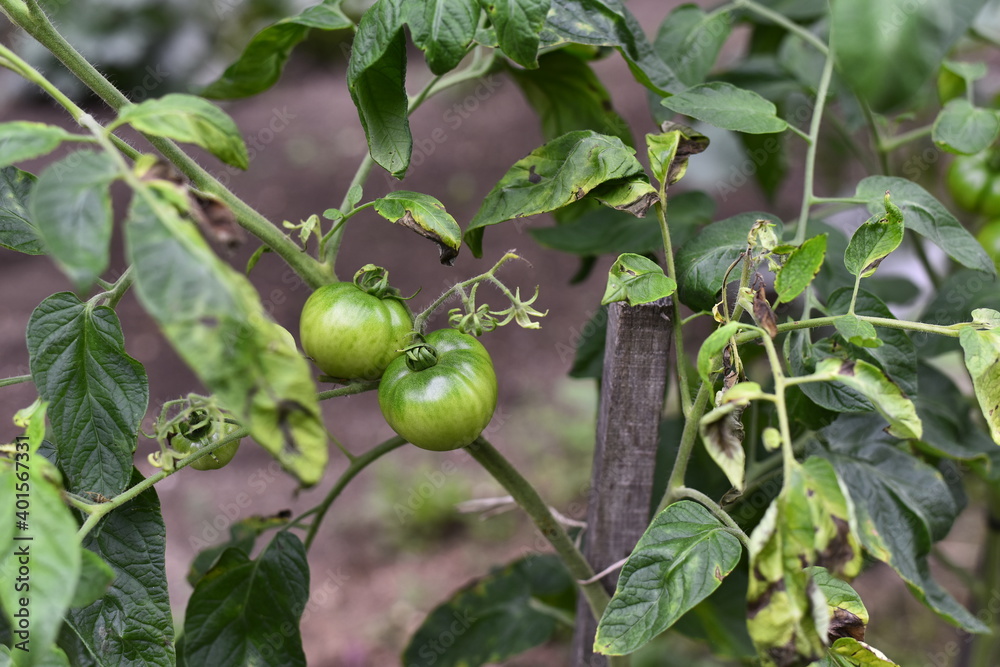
(521, 312)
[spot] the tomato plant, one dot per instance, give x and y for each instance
(442, 393)
(813, 428)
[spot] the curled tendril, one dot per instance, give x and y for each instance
(521, 312)
(475, 323)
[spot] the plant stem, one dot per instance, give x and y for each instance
(716, 510)
(668, 258)
(785, 23)
(17, 379)
(810, 167)
(778, 373)
(357, 464)
(883, 157)
(888, 323)
(689, 436)
(99, 510)
(348, 389)
(36, 24)
(986, 648)
(420, 321)
(892, 143)
(529, 500)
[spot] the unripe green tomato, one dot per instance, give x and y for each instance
(448, 405)
(974, 183)
(216, 459)
(351, 334)
(989, 236)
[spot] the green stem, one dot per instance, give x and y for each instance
(420, 321)
(357, 464)
(116, 291)
(689, 436)
(100, 510)
(16, 379)
(38, 26)
(778, 373)
(684, 388)
(785, 23)
(716, 510)
(892, 143)
(854, 295)
(810, 167)
(349, 389)
(986, 648)
(529, 500)
(888, 323)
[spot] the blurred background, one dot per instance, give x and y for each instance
(394, 545)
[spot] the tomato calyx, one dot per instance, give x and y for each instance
(374, 280)
(420, 355)
(475, 323)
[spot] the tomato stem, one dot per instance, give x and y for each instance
(527, 497)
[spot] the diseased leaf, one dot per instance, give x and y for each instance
(964, 129)
(717, 341)
(609, 23)
(679, 561)
(508, 611)
(926, 216)
(97, 393)
(874, 240)
(636, 280)
(982, 359)
(131, 622)
(23, 140)
(568, 96)
(763, 315)
(553, 175)
(259, 66)
(799, 268)
(724, 105)
(906, 506)
(189, 119)
(375, 78)
(669, 150)
(860, 654)
(237, 606)
(45, 546)
(70, 208)
(890, 402)
(517, 24)
(689, 41)
(848, 615)
(722, 433)
(426, 216)
(17, 231)
(214, 319)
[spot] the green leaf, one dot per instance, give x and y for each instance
(95, 578)
(242, 536)
(605, 231)
(804, 356)
(982, 359)
(636, 279)
(857, 332)
(810, 523)
(609, 23)
(240, 603)
(131, 623)
(189, 119)
(22, 140)
(554, 175)
(508, 611)
(259, 66)
(906, 505)
(568, 96)
(720, 620)
(679, 561)
(444, 30)
(874, 45)
(799, 268)
(890, 402)
(517, 24)
(375, 78)
(724, 105)
(426, 216)
(70, 208)
(702, 262)
(17, 231)
(689, 41)
(926, 216)
(97, 393)
(668, 151)
(712, 347)
(874, 240)
(964, 129)
(44, 557)
(213, 317)
(859, 653)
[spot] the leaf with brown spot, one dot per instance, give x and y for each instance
(763, 314)
(424, 215)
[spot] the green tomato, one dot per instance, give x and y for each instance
(216, 459)
(351, 334)
(989, 236)
(447, 405)
(974, 183)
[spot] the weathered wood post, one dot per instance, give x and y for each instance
(632, 392)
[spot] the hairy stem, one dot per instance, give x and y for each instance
(529, 500)
(684, 388)
(717, 512)
(420, 321)
(810, 167)
(689, 436)
(17, 379)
